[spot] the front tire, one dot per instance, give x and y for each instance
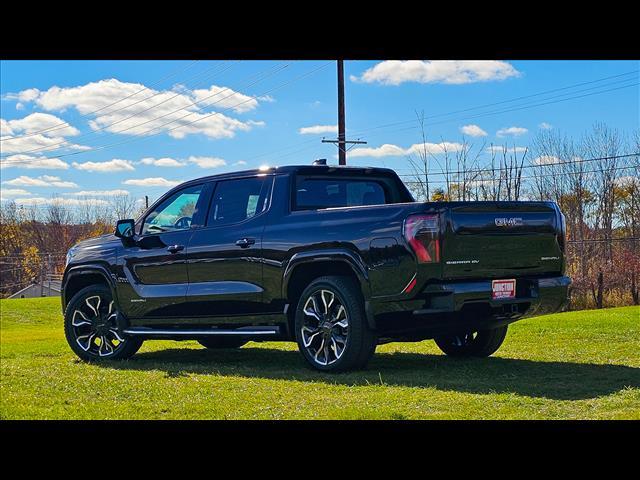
(331, 327)
(91, 329)
(472, 344)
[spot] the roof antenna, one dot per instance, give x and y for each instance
(320, 161)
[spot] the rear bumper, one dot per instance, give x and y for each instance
(448, 306)
(538, 296)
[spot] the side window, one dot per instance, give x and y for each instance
(316, 193)
(236, 200)
(174, 213)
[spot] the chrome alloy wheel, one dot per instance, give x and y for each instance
(325, 327)
(94, 327)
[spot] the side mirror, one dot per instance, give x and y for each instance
(125, 228)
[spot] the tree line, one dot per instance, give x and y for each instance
(595, 179)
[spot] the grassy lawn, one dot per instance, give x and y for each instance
(571, 365)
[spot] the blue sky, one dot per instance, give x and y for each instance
(64, 122)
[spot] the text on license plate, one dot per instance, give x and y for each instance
(503, 289)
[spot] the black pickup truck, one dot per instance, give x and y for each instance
(338, 259)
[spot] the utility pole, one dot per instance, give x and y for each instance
(341, 141)
(342, 152)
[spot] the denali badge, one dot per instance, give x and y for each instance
(509, 222)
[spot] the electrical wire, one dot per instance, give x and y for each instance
(104, 127)
(146, 134)
(86, 115)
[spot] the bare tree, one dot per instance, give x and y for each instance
(123, 206)
(604, 144)
(420, 165)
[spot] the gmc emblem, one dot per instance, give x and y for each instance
(509, 222)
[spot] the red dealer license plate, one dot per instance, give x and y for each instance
(502, 289)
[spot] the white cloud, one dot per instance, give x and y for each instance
(317, 129)
(28, 95)
(202, 162)
(99, 193)
(69, 202)
(386, 150)
(5, 128)
(395, 72)
(151, 182)
(155, 111)
(35, 122)
(546, 160)
(500, 149)
(473, 131)
(628, 181)
(115, 165)
(224, 97)
(390, 150)
(41, 181)
(53, 131)
(162, 162)
(39, 142)
(207, 162)
(12, 192)
(483, 182)
(239, 163)
(545, 126)
(514, 131)
(33, 162)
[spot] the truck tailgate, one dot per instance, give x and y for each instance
(501, 240)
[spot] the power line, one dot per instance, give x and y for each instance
(144, 136)
(541, 165)
(49, 147)
(457, 181)
(404, 122)
(506, 111)
(66, 124)
(603, 240)
(360, 132)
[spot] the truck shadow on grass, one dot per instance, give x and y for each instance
(553, 380)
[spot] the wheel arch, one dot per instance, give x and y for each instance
(81, 276)
(304, 267)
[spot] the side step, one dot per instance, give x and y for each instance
(148, 332)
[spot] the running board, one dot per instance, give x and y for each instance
(186, 333)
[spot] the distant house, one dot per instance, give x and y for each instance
(47, 288)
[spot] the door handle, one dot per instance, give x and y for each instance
(175, 248)
(245, 242)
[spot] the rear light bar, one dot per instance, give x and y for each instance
(422, 232)
(562, 236)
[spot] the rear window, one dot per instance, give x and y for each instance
(237, 200)
(315, 193)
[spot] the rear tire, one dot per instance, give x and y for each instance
(472, 344)
(216, 343)
(331, 327)
(91, 329)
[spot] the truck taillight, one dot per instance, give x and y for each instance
(422, 232)
(562, 236)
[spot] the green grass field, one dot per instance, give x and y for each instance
(566, 366)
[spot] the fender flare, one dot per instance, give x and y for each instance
(79, 270)
(351, 258)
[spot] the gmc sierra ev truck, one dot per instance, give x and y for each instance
(337, 259)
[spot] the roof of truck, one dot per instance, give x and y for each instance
(293, 168)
